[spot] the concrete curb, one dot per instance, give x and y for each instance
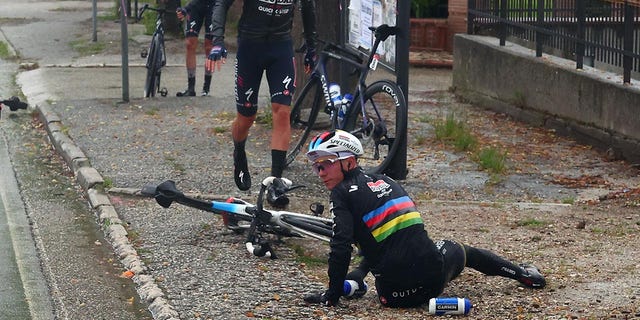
(113, 229)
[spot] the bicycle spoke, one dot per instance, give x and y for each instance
(384, 124)
(304, 114)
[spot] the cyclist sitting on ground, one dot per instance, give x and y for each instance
(196, 12)
(264, 45)
(376, 213)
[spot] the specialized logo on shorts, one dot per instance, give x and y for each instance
(286, 82)
(248, 95)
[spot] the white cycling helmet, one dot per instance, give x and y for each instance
(337, 143)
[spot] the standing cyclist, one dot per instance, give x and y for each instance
(375, 213)
(197, 12)
(264, 45)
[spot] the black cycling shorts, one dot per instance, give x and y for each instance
(401, 295)
(255, 57)
(194, 23)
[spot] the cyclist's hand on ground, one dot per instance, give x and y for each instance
(310, 58)
(320, 298)
(181, 13)
(217, 57)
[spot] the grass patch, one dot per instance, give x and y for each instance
(265, 117)
(454, 132)
(492, 159)
(4, 50)
(87, 47)
(308, 259)
(108, 183)
(531, 222)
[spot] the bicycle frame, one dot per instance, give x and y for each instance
(157, 39)
(261, 220)
(327, 53)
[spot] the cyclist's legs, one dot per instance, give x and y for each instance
(454, 257)
(248, 77)
(281, 76)
(491, 264)
(192, 30)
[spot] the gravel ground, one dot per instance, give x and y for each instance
(560, 205)
(586, 250)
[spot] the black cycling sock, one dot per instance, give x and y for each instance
(277, 162)
(207, 82)
(191, 83)
(491, 264)
(241, 174)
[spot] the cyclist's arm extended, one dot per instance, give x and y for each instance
(341, 243)
(308, 9)
(218, 20)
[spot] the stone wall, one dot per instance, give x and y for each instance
(591, 105)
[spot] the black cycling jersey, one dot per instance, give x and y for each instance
(264, 20)
(374, 212)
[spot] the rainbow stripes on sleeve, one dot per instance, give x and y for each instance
(396, 214)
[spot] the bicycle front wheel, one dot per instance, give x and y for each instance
(303, 117)
(380, 124)
(153, 65)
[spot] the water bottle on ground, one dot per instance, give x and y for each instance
(445, 306)
(352, 289)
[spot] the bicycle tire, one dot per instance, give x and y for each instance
(386, 110)
(304, 114)
(150, 85)
(310, 225)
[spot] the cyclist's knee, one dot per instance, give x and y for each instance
(191, 43)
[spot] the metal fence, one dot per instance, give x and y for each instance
(586, 31)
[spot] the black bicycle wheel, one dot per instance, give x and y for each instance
(153, 63)
(303, 117)
(386, 124)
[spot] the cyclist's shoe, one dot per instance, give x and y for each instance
(319, 298)
(204, 93)
(532, 277)
(241, 170)
(186, 93)
(276, 194)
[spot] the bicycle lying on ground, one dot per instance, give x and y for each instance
(254, 220)
(156, 57)
(13, 103)
(377, 115)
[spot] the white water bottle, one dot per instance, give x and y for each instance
(334, 92)
(444, 306)
(351, 286)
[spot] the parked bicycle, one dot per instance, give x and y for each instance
(377, 115)
(254, 220)
(155, 54)
(13, 103)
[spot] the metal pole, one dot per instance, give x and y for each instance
(398, 168)
(124, 39)
(503, 24)
(539, 35)
(94, 16)
(627, 61)
(581, 17)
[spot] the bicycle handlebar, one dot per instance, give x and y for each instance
(146, 7)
